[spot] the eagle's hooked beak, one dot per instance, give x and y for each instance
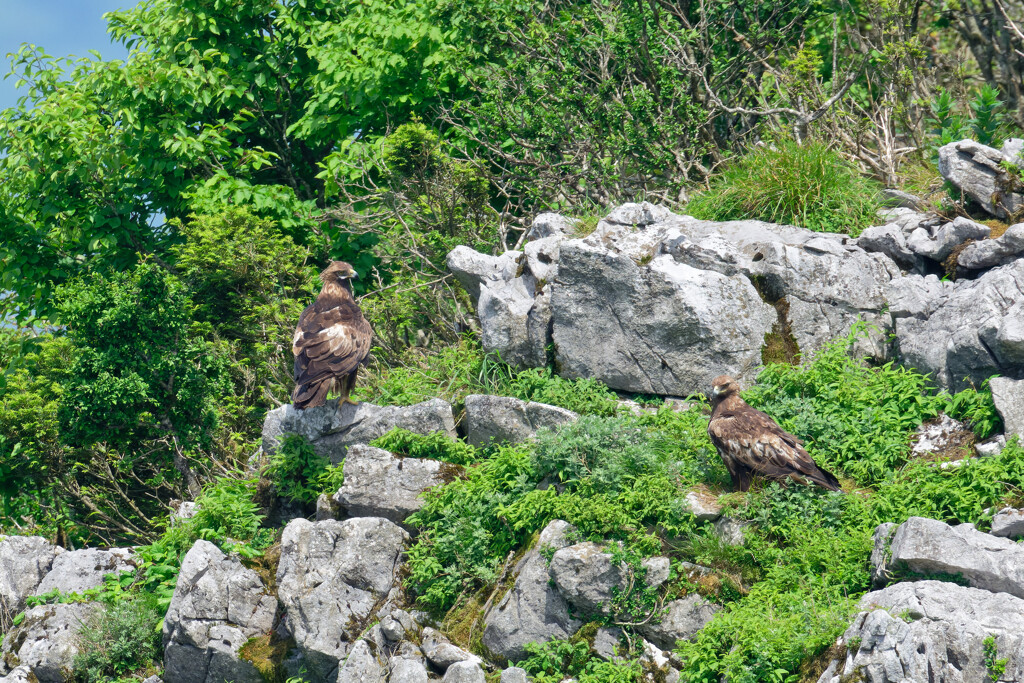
(715, 391)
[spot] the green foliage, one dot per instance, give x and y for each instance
(556, 660)
(987, 118)
(436, 446)
(947, 126)
(226, 515)
(807, 185)
(141, 371)
(295, 470)
(995, 665)
(583, 395)
(121, 640)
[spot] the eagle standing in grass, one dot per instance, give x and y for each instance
(752, 443)
(331, 341)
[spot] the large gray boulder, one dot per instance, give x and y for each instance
(332, 579)
(927, 546)
(218, 605)
(441, 653)
(464, 672)
(532, 611)
(660, 327)
(23, 674)
(680, 620)
(46, 640)
(888, 239)
(79, 570)
(332, 430)
(587, 577)
(24, 562)
(362, 665)
(977, 170)
(994, 252)
(938, 243)
(655, 302)
(931, 631)
(971, 331)
(1008, 396)
(379, 484)
(504, 418)
(1009, 523)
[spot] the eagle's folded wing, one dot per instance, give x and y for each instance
(330, 343)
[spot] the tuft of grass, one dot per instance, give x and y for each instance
(807, 185)
(119, 641)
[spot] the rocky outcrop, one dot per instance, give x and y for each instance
(927, 547)
(333, 577)
(1008, 523)
(673, 300)
(679, 620)
(533, 610)
(1008, 396)
(79, 570)
(931, 631)
(21, 674)
(967, 331)
(24, 562)
(46, 641)
(361, 665)
(218, 605)
(332, 429)
(588, 577)
(441, 653)
(994, 252)
(494, 419)
(978, 171)
(379, 484)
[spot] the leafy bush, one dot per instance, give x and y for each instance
(436, 446)
(556, 660)
(807, 185)
(120, 640)
(583, 395)
(295, 470)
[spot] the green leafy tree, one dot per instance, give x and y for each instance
(141, 373)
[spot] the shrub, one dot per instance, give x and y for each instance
(556, 660)
(120, 640)
(436, 446)
(807, 185)
(295, 470)
(584, 395)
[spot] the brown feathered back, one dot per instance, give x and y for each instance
(331, 340)
(751, 443)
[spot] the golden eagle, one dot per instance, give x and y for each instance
(331, 340)
(752, 443)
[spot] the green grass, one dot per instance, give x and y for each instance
(807, 185)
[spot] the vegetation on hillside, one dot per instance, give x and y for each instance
(163, 220)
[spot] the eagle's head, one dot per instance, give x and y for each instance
(722, 387)
(338, 271)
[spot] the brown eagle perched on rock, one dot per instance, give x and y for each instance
(331, 341)
(751, 443)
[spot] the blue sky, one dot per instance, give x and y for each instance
(62, 27)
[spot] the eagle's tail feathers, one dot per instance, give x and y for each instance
(311, 395)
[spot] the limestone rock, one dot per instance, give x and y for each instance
(46, 641)
(977, 171)
(504, 418)
(24, 562)
(586, 576)
(405, 670)
(681, 620)
(607, 641)
(473, 269)
(664, 327)
(944, 436)
(994, 252)
(441, 653)
(330, 579)
(1009, 523)
(379, 484)
(889, 240)
(542, 258)
(928, 546)
(730, 530)
(550, 225)
(900, 199)
(218, 605)
(21, 674)
(931, 631)
(703, 505)
(658, 570)
(940, 243)
(1008, 395)
(973, 331)
(79, 570)
(464, 672)
(332, 430)
(361, 666)
(513, 674)
(532, 610)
